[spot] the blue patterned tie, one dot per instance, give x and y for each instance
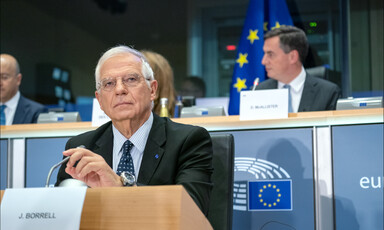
(290, 110)
(126, 161)
(2, 114)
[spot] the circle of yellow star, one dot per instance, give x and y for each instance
(277, 25)
(267, 187)
(253, 35)
(240, 84)
(242, 59)
(265, 26)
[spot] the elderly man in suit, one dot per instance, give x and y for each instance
(137, 142)
(15, 109)
(285, 50)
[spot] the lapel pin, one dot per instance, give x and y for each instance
(157, 156)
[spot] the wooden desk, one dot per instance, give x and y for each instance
(303, 119)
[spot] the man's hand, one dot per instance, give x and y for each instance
(91, 168)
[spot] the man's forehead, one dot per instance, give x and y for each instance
(7, 66)
(120, 65)
(126, 56)
(123, 59)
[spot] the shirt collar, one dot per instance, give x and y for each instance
(297, 83)
(138, 139)
(12, 103)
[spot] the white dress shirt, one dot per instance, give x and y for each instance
(297, 86)
(10, 110)
(138, 139)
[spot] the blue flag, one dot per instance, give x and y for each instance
(270, 195)
(262, 15)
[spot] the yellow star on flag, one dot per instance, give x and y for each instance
(277, 25)
(253, 35)
(265, 26)
(240, 84)
(242, 59)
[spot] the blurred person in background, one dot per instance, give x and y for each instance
(163, 73)
(15, 108)
(193, 86)
(285, 50)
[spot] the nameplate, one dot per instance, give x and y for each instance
(264, 104)
(42, 208)
(98, 115)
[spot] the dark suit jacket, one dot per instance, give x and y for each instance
(318, 94)
(174, 154)
(27, 111)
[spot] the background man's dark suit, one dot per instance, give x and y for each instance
(318, 94)
(27, 111)
(174, 154)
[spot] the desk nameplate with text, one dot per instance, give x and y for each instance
(42, 208)
(264, 104)
(98, 116)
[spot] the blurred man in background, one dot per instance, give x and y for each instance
(193, 86)
(15, 109)
(285, 50)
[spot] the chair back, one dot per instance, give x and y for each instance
(221, 203)
(319, 71)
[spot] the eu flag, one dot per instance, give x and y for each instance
(262, 15)
(270, 195)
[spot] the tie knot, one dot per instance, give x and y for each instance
(3, 107)
(127, 146)
(287, 86)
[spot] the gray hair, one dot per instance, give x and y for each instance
(146, 69)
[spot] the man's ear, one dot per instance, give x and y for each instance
(294, 56)
(154, 86)
(98, 97)
(19, 77)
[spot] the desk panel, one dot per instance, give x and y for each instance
(41, 155)
(269, 158)
(3, 163)
(358, 176)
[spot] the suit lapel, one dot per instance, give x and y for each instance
(104, 145)
(308, 95)
(153, 151)
(273, 84)
(21, 111)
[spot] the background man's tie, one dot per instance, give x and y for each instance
(290, 110)
(2, 114)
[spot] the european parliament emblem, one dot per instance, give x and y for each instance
(267, 195)
(270, 190)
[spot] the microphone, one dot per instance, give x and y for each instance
(57, 165)
(255, 83)
(70, 182)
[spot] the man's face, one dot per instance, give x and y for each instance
(9, 79)
(125, 102)
(276, 62)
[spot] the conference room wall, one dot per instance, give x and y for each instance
(35, 35)
(41, 31)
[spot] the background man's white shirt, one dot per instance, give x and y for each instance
(297, 86)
